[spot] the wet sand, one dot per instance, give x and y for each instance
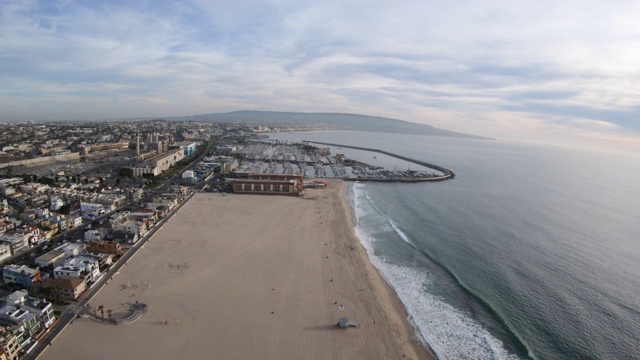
(249, 277)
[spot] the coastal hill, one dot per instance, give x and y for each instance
(337, 121)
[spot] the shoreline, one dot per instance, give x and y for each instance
(420, 347)
(251, 277)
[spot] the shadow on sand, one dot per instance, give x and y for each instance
(321, 328)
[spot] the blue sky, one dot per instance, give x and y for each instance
(554, 71)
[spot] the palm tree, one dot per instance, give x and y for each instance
(101, 308)
(109, 314)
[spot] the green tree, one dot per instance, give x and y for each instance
(128, 172)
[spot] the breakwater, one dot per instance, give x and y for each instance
(448, 174)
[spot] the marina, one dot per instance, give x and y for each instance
(276, 157)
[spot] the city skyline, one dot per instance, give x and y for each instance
(544, 71)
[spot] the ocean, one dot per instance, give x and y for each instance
(530, 252)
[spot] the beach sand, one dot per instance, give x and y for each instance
(266, 277)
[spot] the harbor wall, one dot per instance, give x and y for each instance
(448, 174)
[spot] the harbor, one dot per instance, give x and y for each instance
(310, 161)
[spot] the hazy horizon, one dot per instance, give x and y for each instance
(562, 73)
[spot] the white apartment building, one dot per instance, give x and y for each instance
(131, 227)
(90, 265)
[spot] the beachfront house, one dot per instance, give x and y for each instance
(9, 347)
(70, 272)
(66, 288)
(132, 226)
(105, 247)
(89, 264)
(40, 307)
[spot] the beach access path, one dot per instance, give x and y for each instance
(249, 277)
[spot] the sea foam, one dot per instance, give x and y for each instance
(447, 331)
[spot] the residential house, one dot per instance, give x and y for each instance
(28, 216)
(143, 214)
(40, 307)
(56, 204)
(5, 250)
(91, 210)
(18, 243)
(93, 234)
(13, 316)
(89, 264)
(67, 288)
(50, 258)
(9, 345)
(32, 232)
(107, 247)
(42, 213)
(123, 237)
(70, 272)
(132, 227)
(23, 275)
(72, 249)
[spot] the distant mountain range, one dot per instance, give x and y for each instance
(338, 121)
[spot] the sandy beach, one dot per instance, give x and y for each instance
(249, 277)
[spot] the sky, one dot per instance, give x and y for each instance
(551, 71)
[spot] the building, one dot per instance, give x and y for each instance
(50, 258)
(70, 272)
(135, 194)
(123, 237)
(131, 226)
(85, 149)
(18, 243)
(5, 250)
(56, 204)
(32, 233)
(143, 215)
(105, 247)
(90, 265)
(9, 346)
(188, 147)
(23, 275)
(91, 210)
(158, 164)
(297, 178)
(270, 187)
(188, 175)
(41, 308)
(94, 234)
(72, 249)
(226, 150)
(7, 183)
(66, 288)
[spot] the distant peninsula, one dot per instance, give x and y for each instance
(329, 121)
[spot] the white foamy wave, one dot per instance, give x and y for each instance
(450, 333)
(402, 235)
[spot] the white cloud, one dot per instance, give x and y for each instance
(513, 69)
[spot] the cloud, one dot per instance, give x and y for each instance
(514, 69)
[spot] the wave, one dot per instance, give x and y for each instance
(439, 326)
